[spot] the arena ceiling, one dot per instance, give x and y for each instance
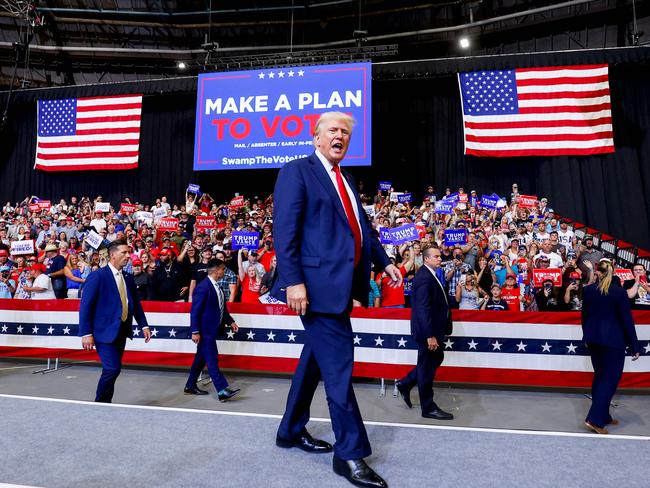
(65, 42)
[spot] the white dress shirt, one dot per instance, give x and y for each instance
(329, 168)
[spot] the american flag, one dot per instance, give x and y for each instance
(98, 133)
(563, 110)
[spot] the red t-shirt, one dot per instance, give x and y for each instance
(250, 290)
(511, 296)
(391, 296)
(265, 259)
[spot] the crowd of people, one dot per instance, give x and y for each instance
(492, 269)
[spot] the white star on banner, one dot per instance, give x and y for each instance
(281, 74)
(4, 328)
(34, 330)
(291, 74)
(19, 329)
(50, 329)
(154, 333)
(357, 340)
(571, 348)
(172, 333)
(401, 342)
(496, 346)
(230, 334)
(292, 337)
(250, 335)
(646, 348)
(136, 332)
(521, 346)
(271, 74)
(472, 344)
(66, 330)
(546, 347)
(448, 344)
(270, 336)
(379, 341)
(301, 72)
(261, 76)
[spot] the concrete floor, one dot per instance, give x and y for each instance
(545, 410)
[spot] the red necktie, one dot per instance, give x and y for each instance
(349, 212)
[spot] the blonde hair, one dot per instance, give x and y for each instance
(607, 271)
(328, 116)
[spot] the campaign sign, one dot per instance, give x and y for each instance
(384, 236)
(159, 213)
(488, 201)
(624, 274)
(385, 185)
(44, 204)
(473, 200)
(527, 201)
(102, 206)
(144, 216)
(404, 198)
(192, 188)
(34, 207)
(267, 299)
(208, 222)
(246, 240)
(21, 248)
(542, 274)
(265, 118)
(127, 208)
(422, 230)
(444, 207)
(237, 202)
(408, 286)
(462, 197)
(454, 197)
(404, 233)
(94, 239)
(455, 236)
(168, 223)
(370, 211)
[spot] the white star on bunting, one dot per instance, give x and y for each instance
(270, 336)
(379, 341)
(66, 330)
(472, 344)
(357, 340)
(401, 342)
(448, 344)
(230, 334)
(250, 335)
(496, 346)
(19, 329)
(136, 332)
(521, 346)
(546, 347)
(154, 333)
(301, 72)
(571, 348)
(4, 328)
(50, 329)
(292, 337)
(261, 76)
(172, 333)
(34, 330)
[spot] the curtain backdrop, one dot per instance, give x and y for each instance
(417, 140)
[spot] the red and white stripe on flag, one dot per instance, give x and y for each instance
(97, 133)
(551, 111)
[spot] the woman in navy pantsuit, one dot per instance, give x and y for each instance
(608, 329)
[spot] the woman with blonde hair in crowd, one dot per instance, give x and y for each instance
(468, 293)
(608, 328)
(73, 274)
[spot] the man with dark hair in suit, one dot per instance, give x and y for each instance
(325, 246)
(109, 303)
(208, 318)
(430, 323)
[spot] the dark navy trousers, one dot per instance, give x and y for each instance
(110, 354)
(608, 365)
(207, 353)
(328, 354)
(424, 373)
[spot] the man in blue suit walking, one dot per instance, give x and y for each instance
(430, 323)
(109, 304)
(208, 318)
(325, 247)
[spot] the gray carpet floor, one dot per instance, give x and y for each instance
(52, 444)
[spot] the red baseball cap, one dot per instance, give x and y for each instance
(574, 275)
(136, 262)
(165, 251)
(38, 267)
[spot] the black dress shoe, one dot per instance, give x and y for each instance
(227, 394)
(404, 392)
(358, 473)
(305, 442)
(195, 391)
(438, 414)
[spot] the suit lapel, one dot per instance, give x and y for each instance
(324, 179)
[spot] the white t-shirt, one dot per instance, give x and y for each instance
(43, 281)
(566, 239)
(554, 258)
(98, 224)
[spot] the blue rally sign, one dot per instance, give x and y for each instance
(488, 201)
(404, 198)
(266, 118)
(455, 236)
(444, 207)
(405, 233)
(384, 236)
(385, 185)
(246, 240)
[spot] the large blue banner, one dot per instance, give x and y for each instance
(265, 118)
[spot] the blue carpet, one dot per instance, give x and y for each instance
(53, 444)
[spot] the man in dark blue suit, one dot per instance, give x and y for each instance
(109, 304)
(325, 247)
(208, 318)
(430, 323)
